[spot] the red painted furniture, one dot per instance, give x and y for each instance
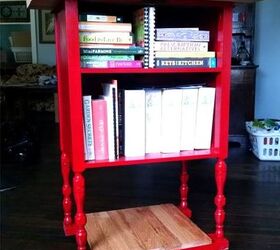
(215, 16)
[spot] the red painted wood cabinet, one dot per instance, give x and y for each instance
(215, 16)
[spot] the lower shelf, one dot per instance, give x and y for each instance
(153, 227)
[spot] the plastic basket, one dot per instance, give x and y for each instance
(265, 144)
(22, 54)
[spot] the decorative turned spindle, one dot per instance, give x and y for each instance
(220, 200)
(80, 217)
(66, 190)
(184, 190)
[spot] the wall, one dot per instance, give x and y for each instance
(45, 51)
(267, 56)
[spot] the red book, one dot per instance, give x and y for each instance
(100, 129)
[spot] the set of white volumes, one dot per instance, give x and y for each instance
(167, 120)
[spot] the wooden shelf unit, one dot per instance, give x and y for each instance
(216, 17)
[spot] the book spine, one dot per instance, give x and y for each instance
(110, 27)
(164, 54)
(204, 118)
(134, 126)
(106, 37)
(88, 127)
(110, 94)
(151, 40)
(171, 120)
(125, 64)
(100, 129)
(115, 119)
(112, 64)
(112, 51)
(185, 62)
(144, 22)
(181, 34)
(153, 120)
(188, 121)
(106, 57)
(121, 121)
(100, 18)
(104, 45)
(181, 46)
(94, 64)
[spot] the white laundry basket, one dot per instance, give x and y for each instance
(265, 144)
(22, 54)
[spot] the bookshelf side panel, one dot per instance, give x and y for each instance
(223, 48)
(69, 82)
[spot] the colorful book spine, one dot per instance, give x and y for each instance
(125, 64)
(112, 64)
(100, 18)
(104, 46)
(165, 54)
(111, 27)
(106, 37)
(88, 128)
(106, 57)
(144, 23)
(185, 62)
(182, 34)
(133, 50)
(100, 129)
(181, 46)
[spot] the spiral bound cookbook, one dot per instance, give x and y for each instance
(144, 23)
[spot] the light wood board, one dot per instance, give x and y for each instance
(152, 227)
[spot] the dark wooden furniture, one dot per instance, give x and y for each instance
(28, 102)
(242, 102)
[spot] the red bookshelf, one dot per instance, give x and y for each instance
(215, 16)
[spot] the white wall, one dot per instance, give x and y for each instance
(267, 56)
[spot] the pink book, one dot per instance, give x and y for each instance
(125, 64)
(100, 129)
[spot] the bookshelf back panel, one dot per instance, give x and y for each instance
(92, 82)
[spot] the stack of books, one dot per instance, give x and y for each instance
(100, 120)
(107, 42)
(183, 48)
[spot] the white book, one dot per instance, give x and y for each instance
(188, 121)
(153, 120)
(171, 120)
(134, 123)
(88, 128)
(110, 94)
(204, 118)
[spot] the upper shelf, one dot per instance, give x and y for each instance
(52, 4)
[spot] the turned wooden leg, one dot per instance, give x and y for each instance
(80, 217)
(66, 190)
(184, 190)
(220, 200)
